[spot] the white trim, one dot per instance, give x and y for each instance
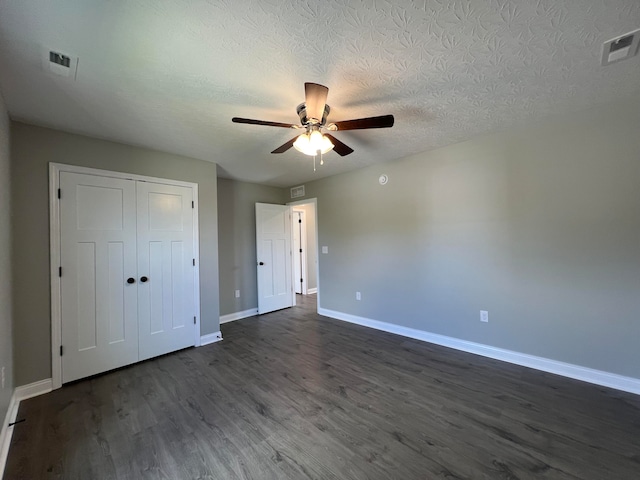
(196, 255)
(33, 389)
(54, 255)
(54, 251)
(311, 291)
(238, 315)
(210, 338)
(597, 377)
(302, 232)
(6, 432)
(62, 167)
(19, 394)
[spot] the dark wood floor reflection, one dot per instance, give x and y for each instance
(292, 395)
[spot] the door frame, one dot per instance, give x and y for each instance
(314, 203)
(54, 251)
(302, 227)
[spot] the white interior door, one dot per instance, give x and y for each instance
(98, 256)
(273, 244)
(166, 263)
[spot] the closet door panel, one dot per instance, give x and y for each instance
(98, 255)
(166, 300)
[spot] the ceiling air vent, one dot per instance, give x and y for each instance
(297, 192)
(620, 48)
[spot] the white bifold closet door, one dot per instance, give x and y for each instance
(166, 311)
(127, 285)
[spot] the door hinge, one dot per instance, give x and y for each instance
(194, 320)
(59, 193)
(194, 262)
(61, 350)
(193, 204)
(299, 220)
(301, 280)
(300, 250)
(60, 271)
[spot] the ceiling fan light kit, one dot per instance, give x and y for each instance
(313, 143)
(313, 119)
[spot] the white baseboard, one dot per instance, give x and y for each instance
(6, 432)
(19, 394)
(210, 338)
(238, 315)
(598, 377)
(34, 389)
(311, 291)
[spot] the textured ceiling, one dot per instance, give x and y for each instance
(170, 75)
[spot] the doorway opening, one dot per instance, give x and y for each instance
(305, 241)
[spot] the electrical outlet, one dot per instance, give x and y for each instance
(358, 296)
(484, 316)
(237, 293)
(325, 249)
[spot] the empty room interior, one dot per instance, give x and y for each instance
(369, 239)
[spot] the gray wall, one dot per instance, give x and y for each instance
(32, 150)
(539, 226)
(6, 337)
(237, 241)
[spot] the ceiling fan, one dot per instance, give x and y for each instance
(313, 119)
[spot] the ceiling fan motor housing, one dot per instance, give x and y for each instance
(304, 120)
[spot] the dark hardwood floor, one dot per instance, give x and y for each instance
(292, 395)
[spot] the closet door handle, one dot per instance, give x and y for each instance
(131, 280)
(261, 263)
(143, 279)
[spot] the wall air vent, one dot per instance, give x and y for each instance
(297, 192)
(59, 59)
(620, 48)
(59, 63)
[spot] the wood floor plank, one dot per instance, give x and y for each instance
(293, 395)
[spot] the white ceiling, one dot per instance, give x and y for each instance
(169, 75)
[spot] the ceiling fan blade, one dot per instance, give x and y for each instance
(315, 99)
(339, 147)
(283, 148)
(383, 121)
(262, 122)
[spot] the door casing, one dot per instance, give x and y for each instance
(299, 230)
(54, 252)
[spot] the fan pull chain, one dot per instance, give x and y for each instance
(319, 152)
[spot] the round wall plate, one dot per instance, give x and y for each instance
(383, 179)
